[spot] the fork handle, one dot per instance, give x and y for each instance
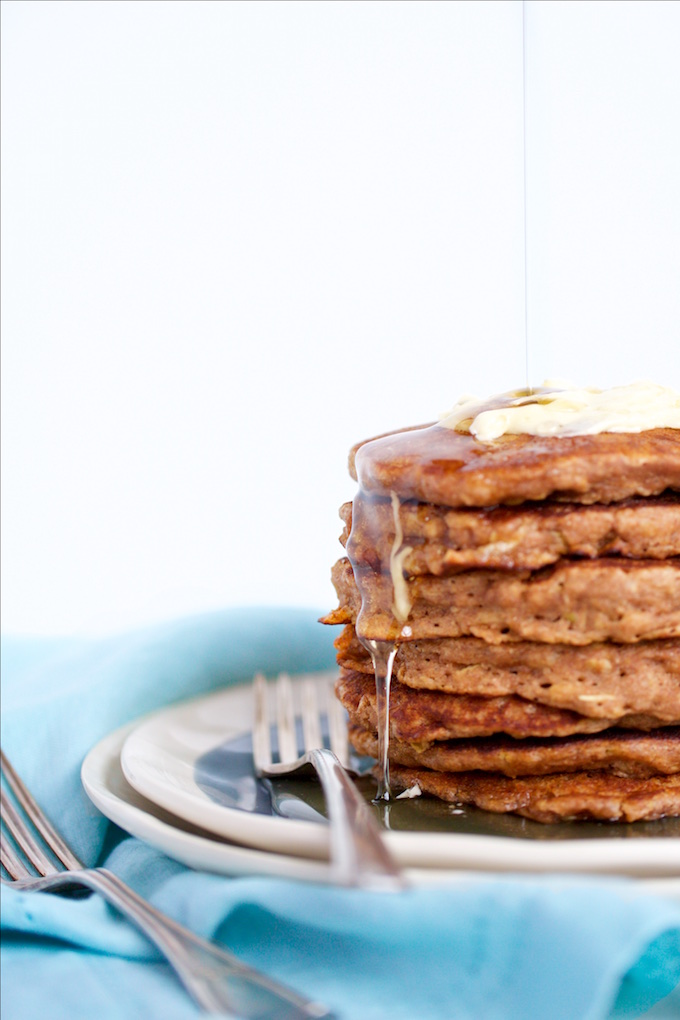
(218, 981)
(358, 851)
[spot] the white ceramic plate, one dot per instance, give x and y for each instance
(108, 789)
(110, 792)
(193, 760)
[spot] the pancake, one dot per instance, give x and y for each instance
(562, 796)
(530, 586)
(433, 464)
(444, 540)
(421, 717)
(601, 680)
(623, 752)
(574, 602)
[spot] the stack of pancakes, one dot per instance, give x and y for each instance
(532, 588)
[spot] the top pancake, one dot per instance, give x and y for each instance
(438, 465)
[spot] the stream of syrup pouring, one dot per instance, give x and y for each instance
(383, 652)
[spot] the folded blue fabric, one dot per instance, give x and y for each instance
(505, 947)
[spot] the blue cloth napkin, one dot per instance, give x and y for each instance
(507, 947)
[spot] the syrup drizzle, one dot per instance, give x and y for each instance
(382, 652)
(382, 655)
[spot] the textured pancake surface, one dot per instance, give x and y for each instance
(602, 680)
(573, 602)
(572, 796)
(442, 466)
(444, 540)
(624, 752)
(420, 717)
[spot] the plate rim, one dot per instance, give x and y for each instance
(193, 848)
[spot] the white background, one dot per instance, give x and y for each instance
(240, 236)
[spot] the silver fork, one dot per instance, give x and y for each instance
(359, 856)
(218, 981)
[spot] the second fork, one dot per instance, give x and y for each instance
(36, 858)
(359, 855)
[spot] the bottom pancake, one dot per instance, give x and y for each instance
(624, 753)
(564, 796)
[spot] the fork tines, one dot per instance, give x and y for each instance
(307, 700)
(26, 833)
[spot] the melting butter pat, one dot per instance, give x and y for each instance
(555, 411)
